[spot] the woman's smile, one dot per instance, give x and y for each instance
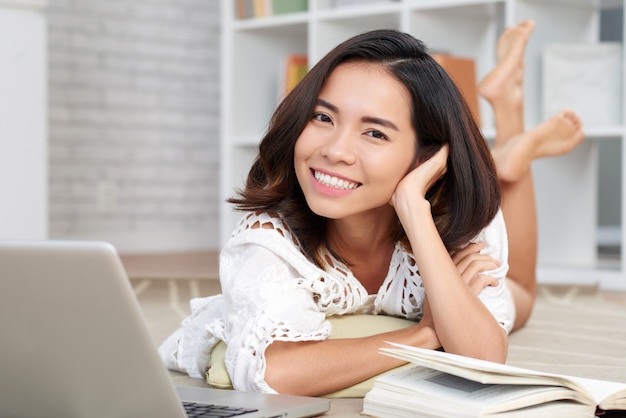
(332, 184)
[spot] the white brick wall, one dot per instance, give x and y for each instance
(134, 122)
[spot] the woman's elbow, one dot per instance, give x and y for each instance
(497, 351)
(493, 349)
(276, 378)
(280, 371)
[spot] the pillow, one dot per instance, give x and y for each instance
(217, 375)
(345, 326)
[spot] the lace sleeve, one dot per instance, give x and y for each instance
(268, 300)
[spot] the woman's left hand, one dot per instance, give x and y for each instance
(419, 180)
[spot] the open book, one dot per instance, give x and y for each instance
(439, 384)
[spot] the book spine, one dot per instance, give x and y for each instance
(247, 9)
(244, 9)
(258, 8)
(293, 70)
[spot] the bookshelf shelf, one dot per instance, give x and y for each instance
(567, 187)
(604, 132)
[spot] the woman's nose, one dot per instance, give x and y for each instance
(340, 147)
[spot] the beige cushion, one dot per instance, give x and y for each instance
(346, 326)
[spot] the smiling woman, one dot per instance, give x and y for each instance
(373, 193)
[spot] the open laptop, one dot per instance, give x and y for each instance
(74, 344)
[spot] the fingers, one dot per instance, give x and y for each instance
(469, 260)
(439, 162)
(421, 178)
(471, 264)
(472, 248)
(433, 169)
(478, 282)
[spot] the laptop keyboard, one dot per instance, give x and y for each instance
(198, 410)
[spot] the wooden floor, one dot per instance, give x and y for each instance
(615, 297)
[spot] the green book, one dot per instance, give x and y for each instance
(289, 6)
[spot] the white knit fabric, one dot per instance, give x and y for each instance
(271, 291)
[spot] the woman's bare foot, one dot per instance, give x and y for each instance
(556, 136)
(505, 81)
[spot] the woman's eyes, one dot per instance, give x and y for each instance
(322, 117)
(374, 133)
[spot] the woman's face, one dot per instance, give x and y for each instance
(358, 144)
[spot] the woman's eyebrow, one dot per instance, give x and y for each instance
(380, 121)
(368, 119)
(327, 105)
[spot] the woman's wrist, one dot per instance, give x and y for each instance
(412, 212)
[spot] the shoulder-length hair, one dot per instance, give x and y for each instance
(463, 201)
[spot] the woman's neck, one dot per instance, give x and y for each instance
(362, 234)
(366, 247)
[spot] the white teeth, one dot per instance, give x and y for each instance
(335, 182)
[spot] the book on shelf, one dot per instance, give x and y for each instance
(293, 69)
(439, 384)
(247, 9)
(463, 73)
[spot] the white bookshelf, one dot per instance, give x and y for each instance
(567, 187)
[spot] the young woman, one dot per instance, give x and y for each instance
(373, 192)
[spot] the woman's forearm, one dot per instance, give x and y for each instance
(314, 368)
(463, 324)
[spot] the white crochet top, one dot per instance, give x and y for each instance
(271, 291)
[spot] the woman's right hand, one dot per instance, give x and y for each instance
(471, 264)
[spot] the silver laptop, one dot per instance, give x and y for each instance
(73, 343)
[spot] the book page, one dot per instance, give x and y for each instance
(474, 369)
(590, 391)
(434, 392)
(608, 395)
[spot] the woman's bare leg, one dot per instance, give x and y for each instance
(520, 216)
(514, 150)
(557, 136)
(503, 88)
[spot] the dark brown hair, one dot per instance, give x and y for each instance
(463, 202)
